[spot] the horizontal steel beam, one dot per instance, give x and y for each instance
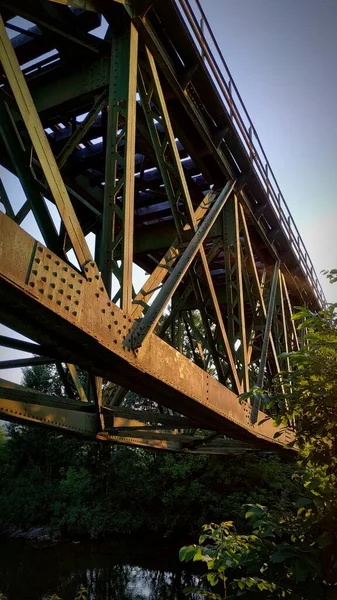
(19, 403)
(18, 363)
(146, 416)
(24, 405)
(72, 314)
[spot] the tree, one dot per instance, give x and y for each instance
(292, 551)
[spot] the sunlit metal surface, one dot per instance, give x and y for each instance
(139, 137)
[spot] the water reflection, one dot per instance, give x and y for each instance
(122, 570)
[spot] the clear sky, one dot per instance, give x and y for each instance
(282, 55)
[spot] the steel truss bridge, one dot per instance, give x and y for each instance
(140, 140)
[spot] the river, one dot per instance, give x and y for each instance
(125, 569)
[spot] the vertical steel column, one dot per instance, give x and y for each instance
(264, 351)
(229, 240)
(258, 285)
(242, 317)
(120, 154)
(295, 336)
(284, 324)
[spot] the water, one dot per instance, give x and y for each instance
(124, 569)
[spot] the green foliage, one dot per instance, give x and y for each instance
(275, 560)
(83, 488)
(292, 548)
(82, 594)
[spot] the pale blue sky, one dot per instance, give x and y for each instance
(282, 55)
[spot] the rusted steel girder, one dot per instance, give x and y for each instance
(53, 304)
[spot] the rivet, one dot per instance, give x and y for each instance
(63, 280)
(108, 303)
(124, 316)
(65, 268)
(78, 292)
(50, 296)
(101, 289)
(112, 313)
(43, 278)
(76, 302)
(49, 256)
(89, 278)
(119, 331)
(52, 285)
(68, 297)
(37, 260)
(72, 275)
(80, 281)
(97, 295)
(60, 291)
(46, 267)
(96, 276)
(115, 322)
(86, 269)
(109, 326)
(115, 341)
(57, 262)
(66, 307)
(39, 248)
(31, 283)
(74, 313)
(34, 272)
(54, 273)
(124, 326)
(103, 310)
(41, 290)
(57, 302)
(71, 286)
(92, 264)
(130, 321)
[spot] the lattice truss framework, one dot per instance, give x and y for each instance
(127, 138)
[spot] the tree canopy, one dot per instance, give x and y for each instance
(291, 550)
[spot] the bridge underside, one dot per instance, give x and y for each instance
(165, 261)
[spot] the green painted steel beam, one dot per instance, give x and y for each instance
(23, 404)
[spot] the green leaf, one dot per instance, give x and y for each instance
(213, 578)
(187, 552)
(303, 501)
